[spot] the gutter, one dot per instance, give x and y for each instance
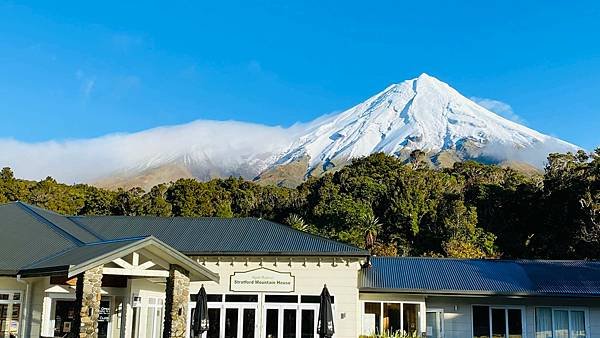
(25, 328)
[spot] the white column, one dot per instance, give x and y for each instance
(423, 317)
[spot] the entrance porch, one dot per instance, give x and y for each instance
(131, 288)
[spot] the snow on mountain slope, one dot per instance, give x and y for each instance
(425, 114)
(422, 113)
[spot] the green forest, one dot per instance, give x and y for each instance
(383, 204)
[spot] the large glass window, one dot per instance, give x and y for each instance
(249, 321)
(560, 323)
(307, 324)
(391, 318)
(372, 318)
(481, 321)
(231, 323)
(10, 313)
(272, 323)
(410, 316)
(497, 322)
(214, 318)
(289, 323)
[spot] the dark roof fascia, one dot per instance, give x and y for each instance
(8, 273)
(45, 272)
(475, 293)
(281, 254)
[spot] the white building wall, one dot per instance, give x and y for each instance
(341, 277)
(457, 312)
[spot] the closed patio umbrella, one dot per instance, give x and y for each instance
(325, 323)
(200, 319)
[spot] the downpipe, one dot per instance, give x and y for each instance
(25, 328)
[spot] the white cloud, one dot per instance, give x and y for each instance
(214, 142)
(501, 108)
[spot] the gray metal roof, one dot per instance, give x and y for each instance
(77, 255)
(25, 238)
(79, 233)
(30, 234)
(219, 236)
(484, 277)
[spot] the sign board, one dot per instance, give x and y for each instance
(262, 280)
(104, 314)
(369, 324)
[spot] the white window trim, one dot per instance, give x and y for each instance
(421, 319)
(585, 310)
(523, 309)
(10, 302)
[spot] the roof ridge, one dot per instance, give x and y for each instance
(34, 214)
(34, 207)
(117, 240)
(97, 235)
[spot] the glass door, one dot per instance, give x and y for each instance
(239, 321)
(308, 322)
(281, 321)
(148, 316)
(290, 320)
(434, 324)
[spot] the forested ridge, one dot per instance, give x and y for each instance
(383, 204)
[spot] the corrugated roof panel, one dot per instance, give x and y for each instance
(24, 239)
(211, 235)
(64, 223)
(502, 277)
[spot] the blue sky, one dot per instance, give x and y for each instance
(78, 70)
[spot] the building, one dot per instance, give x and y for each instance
(120, 276)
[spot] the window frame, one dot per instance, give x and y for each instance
(421, 306)
(441, 312)
(523, 309)
(552, 308)
(10, 302)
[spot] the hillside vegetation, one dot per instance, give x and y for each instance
(383, 204)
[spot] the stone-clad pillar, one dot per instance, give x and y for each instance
(87, 303)
(176, 303)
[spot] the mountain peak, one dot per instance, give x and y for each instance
(425, 114)
(422, 113)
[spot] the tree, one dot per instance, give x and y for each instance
(371, 228)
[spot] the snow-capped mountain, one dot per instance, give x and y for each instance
(423, 113)
(426, 114)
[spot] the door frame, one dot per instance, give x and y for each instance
(298, 307)
(441, 312)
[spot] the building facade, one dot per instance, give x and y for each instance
(112, 276)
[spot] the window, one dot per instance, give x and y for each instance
(391, 317)
(560, 323)
(497, 322)
(10, 313)
(372, 318)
